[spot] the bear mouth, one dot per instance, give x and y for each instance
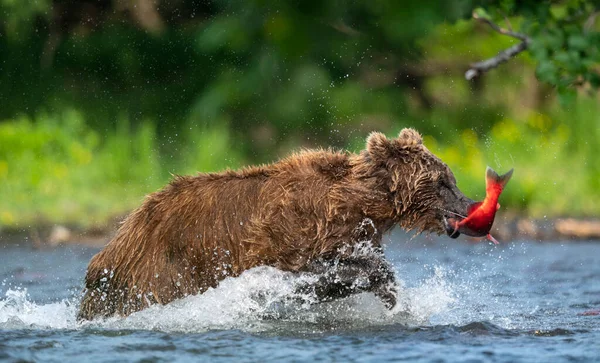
(449, 226)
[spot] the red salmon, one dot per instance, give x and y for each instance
(481, 214)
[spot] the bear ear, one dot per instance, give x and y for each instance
(378, 145)
(410, 137)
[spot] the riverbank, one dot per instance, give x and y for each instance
(506, 229)
(515, 228)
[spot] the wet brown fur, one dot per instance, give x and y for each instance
(200, 229)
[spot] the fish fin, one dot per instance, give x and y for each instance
(492, 239)
(492, 176)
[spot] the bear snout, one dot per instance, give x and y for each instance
(450, 226)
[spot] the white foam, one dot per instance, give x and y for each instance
(18, 312)
(433, 297)
(263, 294)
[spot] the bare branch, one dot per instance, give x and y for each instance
(589, 23)
(506, 20)
(344, 28)
(476, 69)
(500, 30)
(480, 67)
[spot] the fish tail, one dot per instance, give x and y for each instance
(492, 176)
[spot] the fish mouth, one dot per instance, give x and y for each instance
(450, 226)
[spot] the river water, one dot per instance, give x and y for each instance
(459, 302)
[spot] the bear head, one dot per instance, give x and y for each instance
(422, 186)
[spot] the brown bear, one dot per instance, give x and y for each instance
(308, 213)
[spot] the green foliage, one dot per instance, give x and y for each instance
(565, 40)
(19, 16)
(98, 110)
(278, 66)
(556, 168)
(56, 169)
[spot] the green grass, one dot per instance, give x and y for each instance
(57, 169)
(555, 157)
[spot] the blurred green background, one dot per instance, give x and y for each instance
(101, 102)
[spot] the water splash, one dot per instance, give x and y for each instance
(434, 296)
(255, 301)
(18, 312)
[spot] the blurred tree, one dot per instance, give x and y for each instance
(174, 86)
(562, 37)
(279, 73)
(270, 70)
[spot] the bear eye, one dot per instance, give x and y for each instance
(443, 183)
